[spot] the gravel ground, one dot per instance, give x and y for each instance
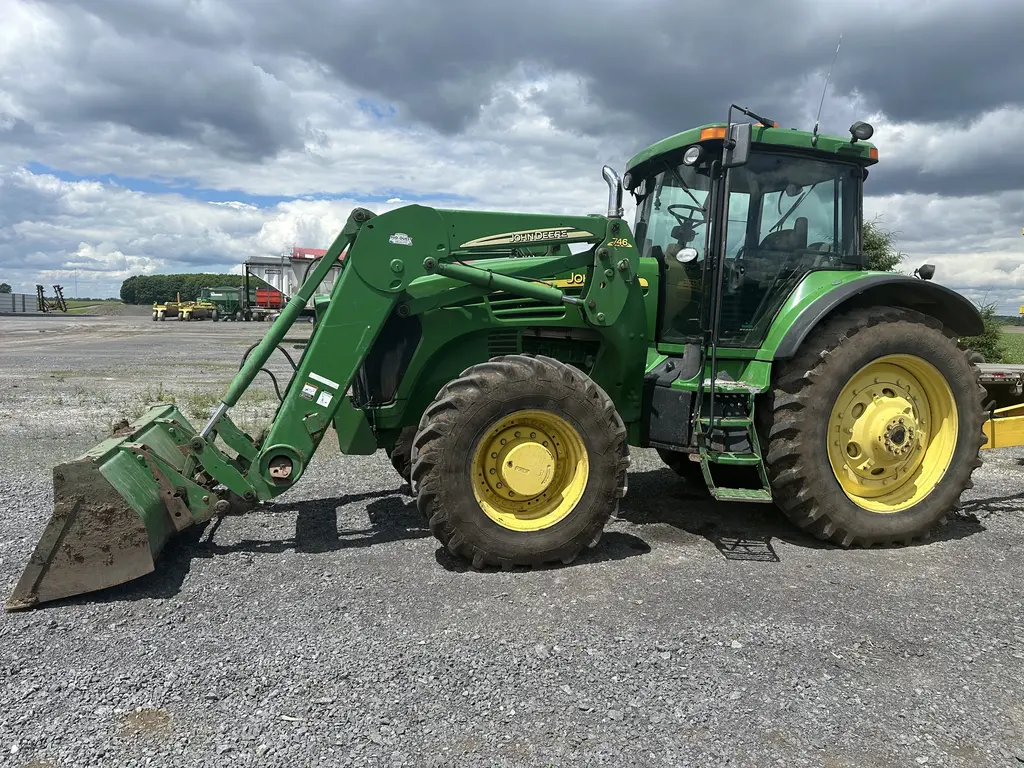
(330, 629)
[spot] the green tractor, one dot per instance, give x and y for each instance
(508, 363)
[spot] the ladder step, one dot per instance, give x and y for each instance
(732, 458)
(733, 387)
(742, 494)
(726, 422)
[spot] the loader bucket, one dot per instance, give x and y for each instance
(115, 508)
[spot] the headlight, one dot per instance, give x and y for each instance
(861, 131)
(692, 155)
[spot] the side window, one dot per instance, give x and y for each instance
(672, 216)
(815, 205)
(739, 212)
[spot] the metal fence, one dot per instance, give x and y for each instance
(19, 303)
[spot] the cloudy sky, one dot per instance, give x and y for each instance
(141, 136)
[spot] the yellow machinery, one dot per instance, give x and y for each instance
(198, 310)
(161, 311)
(1005, 427)
(185, 310)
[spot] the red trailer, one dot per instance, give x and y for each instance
(269, 298)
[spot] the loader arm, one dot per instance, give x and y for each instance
(118, 505)
(388, 255)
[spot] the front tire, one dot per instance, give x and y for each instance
(520, 461)
(875, 428)
(401, 453)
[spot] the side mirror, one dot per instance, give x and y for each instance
(686, 255)
(737, 146)
(925, 271)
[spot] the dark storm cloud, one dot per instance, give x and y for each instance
(14, 130)
(658, 62)
(943, 65)
(648, 67)
(1002, 171)
(666, 63)
(179, 82)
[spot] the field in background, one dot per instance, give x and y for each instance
(85, 307)
(1013, 343)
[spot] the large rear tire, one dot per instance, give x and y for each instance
(874, 428)
(520, 461)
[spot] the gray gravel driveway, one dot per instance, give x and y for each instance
(329, 628)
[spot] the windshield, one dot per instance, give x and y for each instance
(673, 214)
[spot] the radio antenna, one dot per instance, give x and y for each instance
(814, 138)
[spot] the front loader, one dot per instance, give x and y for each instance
(508, 362)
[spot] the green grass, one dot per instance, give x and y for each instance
(1013, 344)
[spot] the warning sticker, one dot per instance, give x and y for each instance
(308, 390)
(324, 399)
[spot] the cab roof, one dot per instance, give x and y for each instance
(863, 152)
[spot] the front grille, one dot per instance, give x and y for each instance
(502, 343)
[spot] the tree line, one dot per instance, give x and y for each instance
(149, 289)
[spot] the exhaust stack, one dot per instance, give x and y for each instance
(614, 192)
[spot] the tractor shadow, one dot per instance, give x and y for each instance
(740, 531)
(660, 507)
(981, 509)
(391, 513)
(614, 546)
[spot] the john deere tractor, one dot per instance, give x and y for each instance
(508, 362)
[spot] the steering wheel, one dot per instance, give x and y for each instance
(688, 207)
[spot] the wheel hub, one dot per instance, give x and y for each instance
(528, 469)
(882, 429)
(901, 436)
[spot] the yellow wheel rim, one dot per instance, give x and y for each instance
(892, 433)
(530, 470)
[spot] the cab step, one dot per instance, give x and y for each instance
(725, 421)
(756, 495)
(733, 459)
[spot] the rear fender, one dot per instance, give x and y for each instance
(949, 307)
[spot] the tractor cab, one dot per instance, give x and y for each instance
(775, 205)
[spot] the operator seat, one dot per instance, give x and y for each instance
(794, 239)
